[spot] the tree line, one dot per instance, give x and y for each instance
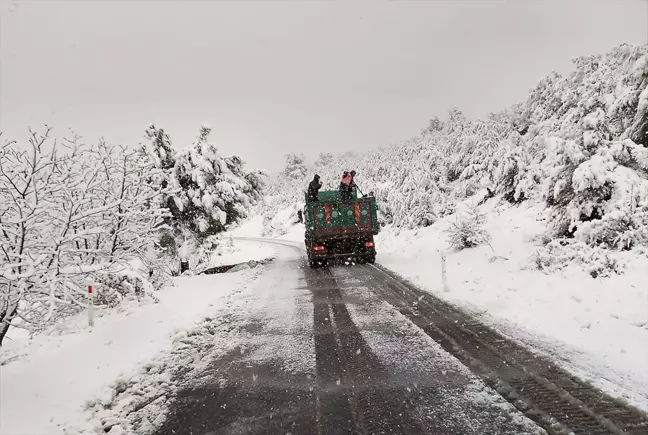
(73, 211)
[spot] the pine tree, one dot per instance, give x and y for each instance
(295, 166)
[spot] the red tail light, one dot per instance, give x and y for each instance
(318, 248)
(369, 244)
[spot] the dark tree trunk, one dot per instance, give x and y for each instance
(5, 322)
(640, 131)
(184, 266)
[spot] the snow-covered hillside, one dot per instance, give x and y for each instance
(576, 147)
(556, 191)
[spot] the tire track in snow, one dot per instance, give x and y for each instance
(354, 392)
(442, 393)
(266, 383)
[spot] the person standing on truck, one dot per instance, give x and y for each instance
(345, 174)
(346, 185)
(352, 184)
(313, 188)
(343, 185)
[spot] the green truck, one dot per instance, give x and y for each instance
(337, 229)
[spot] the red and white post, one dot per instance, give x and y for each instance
(90, 303)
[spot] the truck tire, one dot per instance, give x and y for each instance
(314, 264)
(371, 259)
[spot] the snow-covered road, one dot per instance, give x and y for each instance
(353, 349)
(284, 348)
(321, 352)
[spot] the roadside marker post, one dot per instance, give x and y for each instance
(90, 303)
(444, 276)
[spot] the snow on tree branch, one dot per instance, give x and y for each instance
(68, 211)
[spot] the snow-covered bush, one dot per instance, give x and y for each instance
(202, 255)
(616, 230)
(560, 253)
(134, 283)
(467, 231)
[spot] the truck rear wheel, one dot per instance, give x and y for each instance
(314, 264)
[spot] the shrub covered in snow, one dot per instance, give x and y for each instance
(467, 231)
(560, 253)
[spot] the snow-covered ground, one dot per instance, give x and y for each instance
(48, 380)
(595, 327)
(234, 252)
(252, 227)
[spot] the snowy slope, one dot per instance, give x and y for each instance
(575, 147)
(596, 327)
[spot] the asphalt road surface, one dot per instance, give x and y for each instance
(356, 350)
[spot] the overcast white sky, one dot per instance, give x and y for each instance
(272, 77)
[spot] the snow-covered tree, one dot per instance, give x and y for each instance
(324, 160)
(69, 212)
(211, 191)
(434, 125)
(295, 167)
(159, 148)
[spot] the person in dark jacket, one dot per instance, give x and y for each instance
(313, 188)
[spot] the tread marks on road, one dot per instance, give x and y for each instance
(558, 401)
(334, 412)
(354, 396)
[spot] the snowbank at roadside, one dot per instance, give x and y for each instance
(295, 234)
(595, 327)
(252, 227)
(59, 371)
(233, 251)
